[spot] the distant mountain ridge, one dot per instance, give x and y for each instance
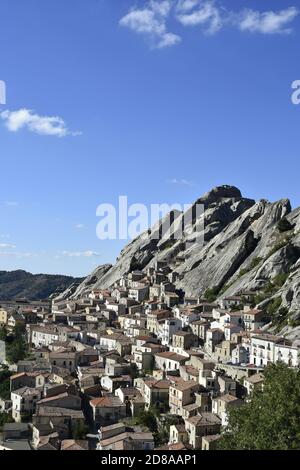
(21, 284)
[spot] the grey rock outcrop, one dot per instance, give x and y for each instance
(235, 245)
(77, 290)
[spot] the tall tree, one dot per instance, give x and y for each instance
(271, 419)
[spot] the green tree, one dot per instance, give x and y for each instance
(80, 431)
(134, 372)
(5, 384)
(16, 345)
(16, 351)
(212, 294)
(19, 331)
(5, 418)
(3, 333)
(147, 419)
(271, 419)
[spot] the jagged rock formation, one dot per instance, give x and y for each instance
(79, 289)
(242, 247)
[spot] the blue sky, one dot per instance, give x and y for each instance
(159, 101)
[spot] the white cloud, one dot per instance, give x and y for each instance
(42, 125)
(151, 21)
(79, 226)
(7, 245)
(79, 254)
(269, 22)
(186, 5)
(182, 182)
(11, 203)
(16, 254)
(199, 12)
(209, 15)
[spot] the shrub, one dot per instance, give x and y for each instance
(274, 306)
(280, 279)
(281, 244)
(212, 294)
(254, 263)
(284, 225)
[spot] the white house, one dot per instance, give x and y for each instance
(239, 355)
(169, 361)
(24, 402)
(253, 319)
(41, 336)
(166, 328)
(186, 315)
(221, 405)
(263, 349)
(139, 293)
(287, 354)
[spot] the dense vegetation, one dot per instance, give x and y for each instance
(16, 345)
(5, 418)
(271, 419)
(5, 384)
(20, 284)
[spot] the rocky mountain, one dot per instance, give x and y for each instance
(78, 289)
(245, 245)
(21, 284)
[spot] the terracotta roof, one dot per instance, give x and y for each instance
(106, 401)
(160, 384)
(253, 312)
(71, 444)
(229, 398)
(256, 378)
(185, 385)
(269, 338)
(172, 356)
(205, 419)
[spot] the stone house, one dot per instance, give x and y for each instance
(106, 411)
(253, 382)
(153, 318)
(253, 319)
(210, 442)
(27, 379)
(204, 424)
(24, 402)
(182, 393)
(169, 361)
(199, 329)
(64, 400)
(178, 434)
(183, 340)
(139, 294)
(221, 405)
(154, 392)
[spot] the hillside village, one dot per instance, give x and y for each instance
(137, 366)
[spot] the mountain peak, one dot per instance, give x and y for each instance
(224, 191)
